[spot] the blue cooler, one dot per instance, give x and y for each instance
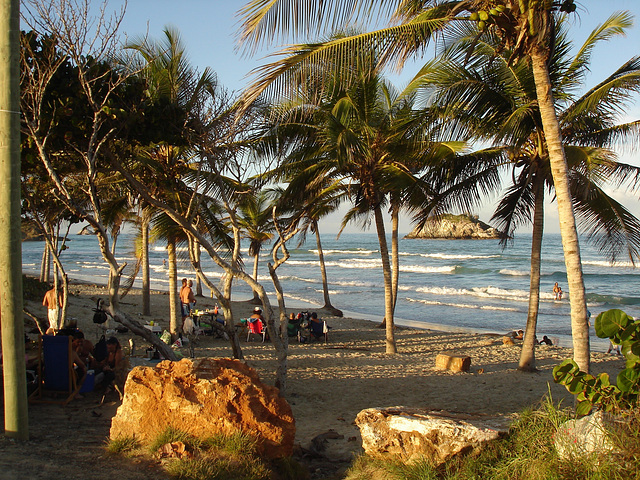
(89, 381)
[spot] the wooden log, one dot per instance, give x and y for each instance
(454, 363)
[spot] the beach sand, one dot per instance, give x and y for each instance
(327, 385)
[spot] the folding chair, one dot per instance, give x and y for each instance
(55, 370)
(293, 328)
(319, 330)
(255, 327)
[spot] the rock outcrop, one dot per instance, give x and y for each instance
(205, 397)
(587, 436)
(456, 227)
(87, 230)
(412, 433)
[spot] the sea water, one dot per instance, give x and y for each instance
(453, 285)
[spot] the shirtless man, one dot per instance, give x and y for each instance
(186, 299)
(52, 305)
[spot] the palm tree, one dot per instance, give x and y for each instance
(255, 219)
(364, 140)
(496, 100)
(174, 84)
(525, 27)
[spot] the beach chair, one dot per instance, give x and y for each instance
(319, 330)
(255, 327)
(294, 327)
(56, 375)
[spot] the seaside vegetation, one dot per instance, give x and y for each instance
(146, 138)
(220, 457)
(524, 27)
(527, 452)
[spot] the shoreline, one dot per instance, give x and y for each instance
(564, 341)
(329, 384)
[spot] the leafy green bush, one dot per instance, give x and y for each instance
(591, 390)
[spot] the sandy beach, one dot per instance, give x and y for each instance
(327, 384)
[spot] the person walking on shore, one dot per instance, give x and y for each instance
(53, 311)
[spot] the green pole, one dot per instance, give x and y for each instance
(16, 420)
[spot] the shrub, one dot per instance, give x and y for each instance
(591, 390)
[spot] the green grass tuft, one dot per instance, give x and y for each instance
(172, 434)
(526, 453)
(122, 445)
(210, 466)
(233, 443)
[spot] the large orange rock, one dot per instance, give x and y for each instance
(205, 397)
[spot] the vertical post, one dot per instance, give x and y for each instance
(16, 422)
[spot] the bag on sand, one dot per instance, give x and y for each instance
(100, 316)
(188, 326)
(166, 337)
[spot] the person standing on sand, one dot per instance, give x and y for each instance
(192, 303)
(52, 305)
(186, 299)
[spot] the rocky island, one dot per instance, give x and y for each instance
(452, 227)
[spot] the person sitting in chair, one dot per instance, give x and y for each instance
(115, 367)
(316, 326)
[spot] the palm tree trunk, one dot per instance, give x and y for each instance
(146, 283)
(174, 322)
(395, 257)
(256, 259)
(44, 266)
(323, 273)
(198, 281)
(570, 244)
(388, 290)
(16, 417)
(528, 356)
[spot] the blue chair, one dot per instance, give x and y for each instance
(319, 330)
(55, 371)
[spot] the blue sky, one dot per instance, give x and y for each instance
(209, 27)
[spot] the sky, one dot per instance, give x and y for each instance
(209, 31)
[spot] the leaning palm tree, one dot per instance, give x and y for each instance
(497, 101)
(525, 27)
(308, 204)
(363, 139)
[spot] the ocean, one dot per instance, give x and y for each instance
(451, 285)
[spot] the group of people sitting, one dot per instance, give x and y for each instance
(318, 328)
(519, 335)
(106, 359)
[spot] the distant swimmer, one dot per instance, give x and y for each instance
(546, 341)
(557, 291)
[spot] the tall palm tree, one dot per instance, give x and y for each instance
(525, 26)
(308, 204)
(255, 220)
(173, 83)
(496, 100)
